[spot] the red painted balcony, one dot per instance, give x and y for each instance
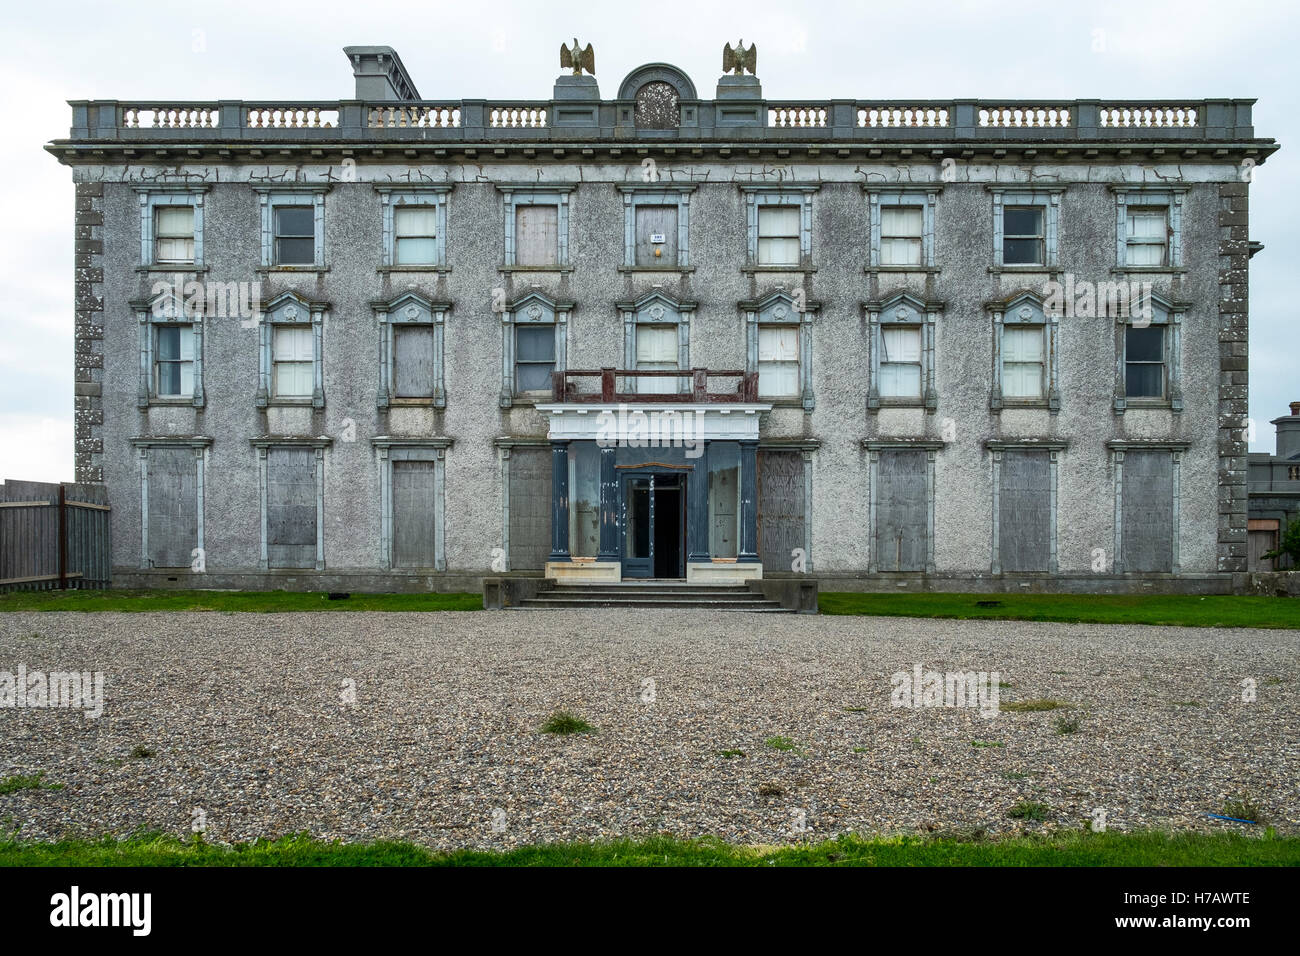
(690, 385)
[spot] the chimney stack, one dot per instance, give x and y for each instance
(380, 75)
(1288, 433)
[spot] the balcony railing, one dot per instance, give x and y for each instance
(827, 121)
(687, 385)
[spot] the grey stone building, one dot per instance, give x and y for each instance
(397, 343)
(1274, 492)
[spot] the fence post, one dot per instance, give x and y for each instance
(63, 538)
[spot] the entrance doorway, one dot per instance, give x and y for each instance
(654, 526)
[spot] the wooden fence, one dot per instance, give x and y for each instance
(53, 536)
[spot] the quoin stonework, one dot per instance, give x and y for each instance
(379, 343)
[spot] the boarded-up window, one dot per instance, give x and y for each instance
(173, 506)
(413, 514)
(1024, 511)
(778, 235)
(778, 361)
(780, 508)
(902, 511)
(413, 373)
(656, 235)
(530, 508)
(1148, 510)
(537, 241)
(291, 507)
(900, 235)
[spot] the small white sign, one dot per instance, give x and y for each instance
(657, 238)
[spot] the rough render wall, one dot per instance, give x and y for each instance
(1213, 243)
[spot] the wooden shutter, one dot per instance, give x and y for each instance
(413, 529)
(1148, 510)
(780, 507)
(656, 220)
(291, 507)
(530, 508)
(1024, 511)
(902, 511)
(173, 507)
(413, 361)
(537, 235)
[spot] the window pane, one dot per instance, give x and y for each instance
(1022, 344)
(174, 221)
(656, 345)
(292, 345)
(1022, 251)
(408, 252)
(1144, 380)
(900, 221)
(295, 252)
(169, 378)
(293, 379)
(900, 381)
(533, 377)
(415, 221)
(1146, 254)
(1022, 221)
(1146, 224)
(1144, 345)
(900, 252)
(295, 221)
(175, 249)
(535, 343)
(778, 344)
(169, 342)
(901, 345)
(778, 252)
(187, 378)
(778, 379)
(1022, 380)
(778, 221)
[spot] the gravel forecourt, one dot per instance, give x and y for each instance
(245, 723)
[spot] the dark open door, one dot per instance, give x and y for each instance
(654, 530)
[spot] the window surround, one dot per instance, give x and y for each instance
(409, 309)
(902, 308)
(1047, 197)
(267, 442)
(1026, 309)
(550, 194)
(879, 197)
(1117, 449)
(1171, 197)
(390, 449)
(656, 308)
(780, 308)
(269, 197)
(1165, 314)
(200, 444)
(656, 194)
(152, 314)
(151, 197)
(783, 194)
(1053, 447)
(290, 309)
(393, 197)
(873, 448)
(532, 308)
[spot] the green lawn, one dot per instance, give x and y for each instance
(259, 601)
(1076, 848)
(1170, 610)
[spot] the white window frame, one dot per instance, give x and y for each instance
(881, 199)
(786, 194)
(150, 199)
(902, 309)
(1050, 200)
(391, 199)
(780, 308)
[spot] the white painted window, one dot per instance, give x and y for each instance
(292, 362)
(1147, 237)
(656, 349)
(778, 361)
(778, 235)
(900, 362)
(1022, 361)
(173, 234)
(415, 231)
(901, 235)
(174, 361)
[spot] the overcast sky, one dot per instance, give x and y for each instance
(921, 50)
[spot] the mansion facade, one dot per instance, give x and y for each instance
(391, 343)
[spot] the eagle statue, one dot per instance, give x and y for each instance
(577, 59)
(740, 59)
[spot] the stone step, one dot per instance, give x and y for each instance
(712, 604)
